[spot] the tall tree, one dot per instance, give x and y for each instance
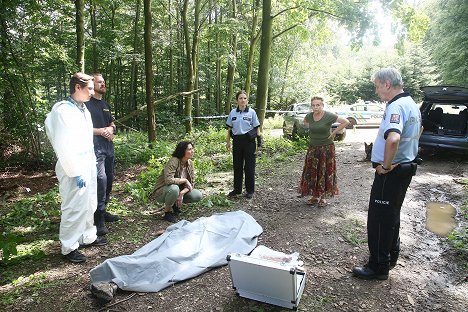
(253, 39)
(264, 65)
(80, 34)
(232, 59)
(149, 72)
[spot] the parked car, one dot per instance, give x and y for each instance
(365, 114)
(444, 113)
(293, 124)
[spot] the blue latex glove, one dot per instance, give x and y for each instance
(80, 182)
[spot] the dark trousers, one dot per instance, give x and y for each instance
(243, 158)
(105, 177)
(383, 219)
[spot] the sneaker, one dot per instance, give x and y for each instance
(104, 291)
(233, 193)
(109, 217)
(100, 241)
(169, 216)
(75, 256)
(248, 195)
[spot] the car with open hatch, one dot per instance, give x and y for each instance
(444, 114)
(293, 122)
(362, 114)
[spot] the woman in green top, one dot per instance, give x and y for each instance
(319, 173)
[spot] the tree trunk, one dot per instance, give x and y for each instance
(149, 72)
(92, 11)
(218, 90)
(283, 85)
(134, 70)
(254, 35)
(80, 51)
(191, 58)
(232, 59)
(264, 65)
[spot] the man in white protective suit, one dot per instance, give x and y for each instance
(70, 131)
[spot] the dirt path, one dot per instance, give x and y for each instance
(426, 278)
(330, 241)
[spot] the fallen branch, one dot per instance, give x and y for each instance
(106, 308)
(142, 108)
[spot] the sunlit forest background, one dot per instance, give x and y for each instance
(169, 62)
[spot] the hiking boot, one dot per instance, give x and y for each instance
(104, 291)
(101, 230)
(367, 273)
(233, 193)
(75, 256)
(169, 216)
(109, 217)
(100, 241)
(248, 195)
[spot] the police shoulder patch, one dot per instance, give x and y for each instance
(395, 118)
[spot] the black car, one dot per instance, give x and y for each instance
(444, 113)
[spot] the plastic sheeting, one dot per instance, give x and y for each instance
(183, 251)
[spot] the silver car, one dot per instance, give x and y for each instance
(293, 124)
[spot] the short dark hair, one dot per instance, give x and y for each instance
(241, 92)
(79, 79)
(180, 149)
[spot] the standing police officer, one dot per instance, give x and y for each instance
(393, 153)
(243, 127)
(103, 130)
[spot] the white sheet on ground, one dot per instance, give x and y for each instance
(184, 250)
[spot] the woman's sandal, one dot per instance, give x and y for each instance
(312, 201)
(322, 204)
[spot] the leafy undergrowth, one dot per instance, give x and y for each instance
(29, 226)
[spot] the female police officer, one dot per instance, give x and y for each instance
(243, 128)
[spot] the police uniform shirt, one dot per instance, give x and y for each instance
(401, 115)
(242, 122)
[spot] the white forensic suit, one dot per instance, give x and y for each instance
(70, 130)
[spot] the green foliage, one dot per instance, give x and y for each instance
(275, 122)
(8, 245)
(30, 216)
(36, 212)
(459, 237)
(447, 38)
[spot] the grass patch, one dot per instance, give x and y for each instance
(459, 237)
(31, 285)
(354, 233)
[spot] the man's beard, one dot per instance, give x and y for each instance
(102, 92)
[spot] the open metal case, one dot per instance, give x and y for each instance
(275, 282)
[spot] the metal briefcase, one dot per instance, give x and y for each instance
(274, 282)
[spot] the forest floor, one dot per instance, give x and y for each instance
(429, 275)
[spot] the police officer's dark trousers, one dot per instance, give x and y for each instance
(383, 219)
(105, 176)
(243, 158)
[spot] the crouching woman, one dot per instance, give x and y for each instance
(175, 184)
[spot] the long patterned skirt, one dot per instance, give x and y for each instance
(319, 173)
